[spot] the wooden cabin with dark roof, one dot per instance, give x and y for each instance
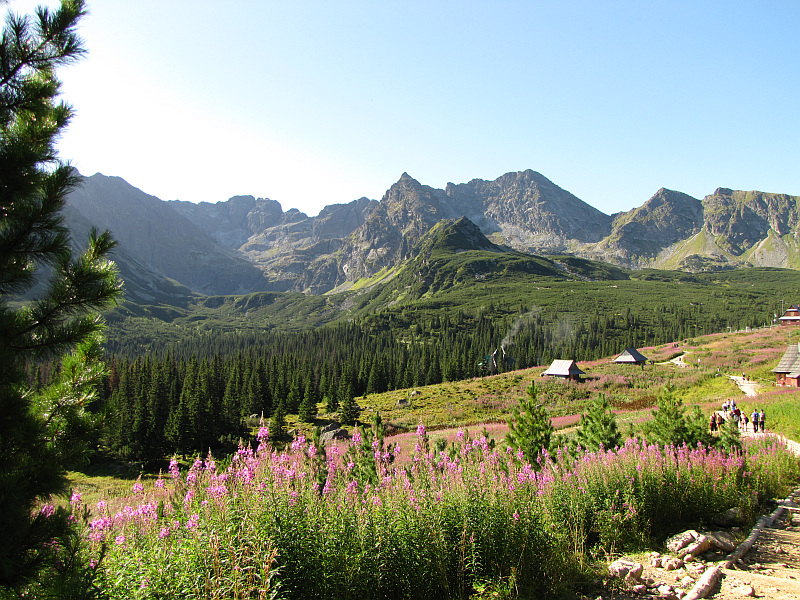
(791, 316)
(788, 370)
(631, 356)
(564, 369)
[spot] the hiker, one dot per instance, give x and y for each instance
(754, 419)
(746, 421)
(762, 418)
(720, 421)
(713, 423)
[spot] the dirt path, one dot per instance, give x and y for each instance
(749, 387)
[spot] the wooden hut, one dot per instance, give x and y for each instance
(631, 356)
(788, 370)
(565, 369)
(791, 316)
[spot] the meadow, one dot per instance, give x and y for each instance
(466, 521)
(449, 511)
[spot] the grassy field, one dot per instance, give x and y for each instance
(700, 375)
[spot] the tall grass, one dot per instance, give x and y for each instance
(353, 524)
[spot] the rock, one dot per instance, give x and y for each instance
(672, 564)
(656, 561)
(635, 574)
(620, 567)
(337, 434)
(681, 540)
(666, 592)
(695, 569)
(330, 427)
(722, 540)
(687, 581)
(728, 518)
(745, 590)
(639, 588)
(702, 544)
(665, 589)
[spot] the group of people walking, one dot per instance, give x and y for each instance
(731, 411)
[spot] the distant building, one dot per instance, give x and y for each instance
(788, 370)
(565, 369)
(791, 316)
(631, 356)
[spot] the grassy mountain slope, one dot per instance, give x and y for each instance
(456, 270)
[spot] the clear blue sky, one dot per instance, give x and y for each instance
(315, 103)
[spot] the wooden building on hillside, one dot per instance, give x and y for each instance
(788, 370)
(791, 316)
(631, 356)
(564, 369)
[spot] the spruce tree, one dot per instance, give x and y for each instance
(308, 407)
(530, 429)
(349, 411)
(34, 245)
(277, 424)
(598, 427)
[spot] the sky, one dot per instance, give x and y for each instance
(313, 103)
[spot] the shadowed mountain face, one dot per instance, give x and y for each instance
(248, 244)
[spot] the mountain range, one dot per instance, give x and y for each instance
(248, 244)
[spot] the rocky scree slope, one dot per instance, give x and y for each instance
(246, 244)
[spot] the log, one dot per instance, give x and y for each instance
(705, 584)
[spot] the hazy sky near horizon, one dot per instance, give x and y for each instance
(320, 102)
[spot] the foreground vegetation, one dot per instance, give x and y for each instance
(351, 523)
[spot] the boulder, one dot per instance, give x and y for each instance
(679, 541)
(702, 544)
(337, 434)
(625, 568)
(722, 540)
(330, 427)
(728, 518)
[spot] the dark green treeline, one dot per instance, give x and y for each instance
(204, 392)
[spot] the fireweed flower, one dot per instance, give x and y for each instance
(193, 521)
(48, 510)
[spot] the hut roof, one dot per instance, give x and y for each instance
(789, 361)
(631, 355)
(563, 368)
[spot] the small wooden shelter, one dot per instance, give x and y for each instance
(631, 356)
(565, 369)
(788, 370)
(791, 316)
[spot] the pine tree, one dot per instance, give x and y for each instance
(671, 425)
(530, 429)
(349, 411)
(307, 412)
(598, 427)
(277, 424)
(33, 187)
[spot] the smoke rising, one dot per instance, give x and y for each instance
(517, 326)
